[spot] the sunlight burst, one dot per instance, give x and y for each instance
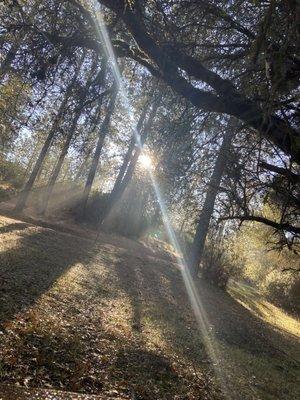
(145, 161)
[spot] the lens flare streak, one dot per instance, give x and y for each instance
(204, 325)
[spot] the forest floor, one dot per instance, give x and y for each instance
(114, 319)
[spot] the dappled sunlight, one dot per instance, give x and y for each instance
(91, 322)
(11, 232)
(196, 303)
(118, 317)
(149, 189)
(207, 334)
(109, 313)
(32, 265)
(260, 307)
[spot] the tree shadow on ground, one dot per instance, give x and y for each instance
(149, 288)
(156, 295)
(13, 227)
(159, 283)
(72, 355)
(30, 268)
(158, 298)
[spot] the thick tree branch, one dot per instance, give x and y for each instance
(266, 221)
(281, 171)
(230, 102)
(215, 10)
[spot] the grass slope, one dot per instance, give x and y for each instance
(114, 319)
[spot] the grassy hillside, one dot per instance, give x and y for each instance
(113, 318)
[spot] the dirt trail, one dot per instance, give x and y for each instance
(114, 319)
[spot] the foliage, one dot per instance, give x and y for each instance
(13, 96)
(215, 266)
(197, 70)
(255, 257)
(129, 217)
(11, 178)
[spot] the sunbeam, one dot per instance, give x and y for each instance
(210, 342)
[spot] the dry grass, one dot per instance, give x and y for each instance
(114, 319)
(268, 312)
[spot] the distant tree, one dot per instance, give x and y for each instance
(102, 133)
(38, 165)
(210, 197)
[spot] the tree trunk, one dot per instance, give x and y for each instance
(128, 155)
(28, 186)
(119, 188)
(59, 164)
(10, 56)
(211, 194)
(30, 161)
(95, 161)
(100, 79)
(82, 166)
(80, 105)
(23, 197)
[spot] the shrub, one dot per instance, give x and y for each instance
(255, 258)
(283, 289)
(215, 263)
(127, 217)
(12, 173)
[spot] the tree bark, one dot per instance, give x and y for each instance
(277, 225)
(82, 166)
(103, 131)
(209, 202)
(23, 197)
(59, 164)
(31, 161)
(165, 62)
(128, 155)
(10, 56)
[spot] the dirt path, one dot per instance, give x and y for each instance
(114, 319)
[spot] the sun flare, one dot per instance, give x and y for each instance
(145, 161)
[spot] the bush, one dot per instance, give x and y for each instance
(283, 289)
(254, 258)
(95, 207)
(5, 192)
(215, 263)
(127, 217)
(12, 173)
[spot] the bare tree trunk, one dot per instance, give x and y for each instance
(31, 160)
(82, 166)
(28, 186)
(100, 79)
(78, 110)
(128, 155)
(59, 164)
(182, 225)
(211, 194)
(23, 197)
(118, 189)
(95, 161)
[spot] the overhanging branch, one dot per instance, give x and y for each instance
(279, 226)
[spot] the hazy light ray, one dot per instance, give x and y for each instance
(200, 314)
(93, 7)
